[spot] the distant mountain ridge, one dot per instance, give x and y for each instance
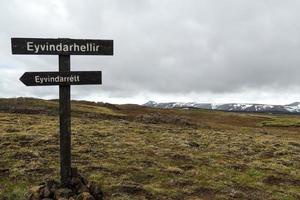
(293, 108)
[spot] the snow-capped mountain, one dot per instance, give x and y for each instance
(234, 107)
(178, 105)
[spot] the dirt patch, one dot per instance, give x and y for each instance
(204, 193)
(39, 171)
(275, 180)
(131, 189)
(157, 118)
(181, 158)
(4, 172)
(295, 144)
(25, 156)
(238, 167)
(249, 193)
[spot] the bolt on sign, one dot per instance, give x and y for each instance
(63, 47)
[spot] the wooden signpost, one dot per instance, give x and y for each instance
(64, 78)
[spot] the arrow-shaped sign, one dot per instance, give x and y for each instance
(61, 78)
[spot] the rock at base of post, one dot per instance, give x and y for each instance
(79, 188)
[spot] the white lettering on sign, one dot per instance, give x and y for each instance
(57, 79)
(88, 47)
(29, 46)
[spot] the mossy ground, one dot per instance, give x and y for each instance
(182, 154)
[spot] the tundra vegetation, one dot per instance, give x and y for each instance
(136, 152)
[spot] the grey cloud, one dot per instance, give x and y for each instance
(165, 47)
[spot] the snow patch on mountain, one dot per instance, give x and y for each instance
(234, 107)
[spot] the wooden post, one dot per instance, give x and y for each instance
(65, 123)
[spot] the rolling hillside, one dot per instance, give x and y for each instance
(138, 152)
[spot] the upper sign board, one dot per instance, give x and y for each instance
(46, 46)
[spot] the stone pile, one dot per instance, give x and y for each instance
(79, 188)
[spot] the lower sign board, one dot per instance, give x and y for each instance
(61, 78)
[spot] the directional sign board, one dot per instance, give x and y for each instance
(64, 48)
(61, 46)
(61, 78)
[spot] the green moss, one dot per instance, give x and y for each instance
(282, 122)
(13, 190)
(283, 196)
(250, 178)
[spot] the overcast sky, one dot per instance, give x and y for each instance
(164, 50)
